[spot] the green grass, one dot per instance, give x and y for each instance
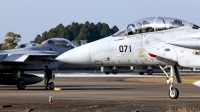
(185, 79)
(90, 107)
(169, 106)
(142, 105)
(66, 106)
(73, 110)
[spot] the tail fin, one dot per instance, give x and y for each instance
(82, 42)
(75, 43)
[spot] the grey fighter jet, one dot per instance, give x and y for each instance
(31, 57)
(154, 41)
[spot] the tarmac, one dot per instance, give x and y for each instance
(99, 94)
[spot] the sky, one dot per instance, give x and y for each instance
(32, 17)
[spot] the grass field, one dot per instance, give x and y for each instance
(185, 77)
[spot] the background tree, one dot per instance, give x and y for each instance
(87, 31)
(38, 39)
(11, 40)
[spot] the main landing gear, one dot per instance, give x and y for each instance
(173, 92)
(21, 84)
(115, 70)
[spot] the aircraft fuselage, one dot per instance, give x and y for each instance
(150, 48)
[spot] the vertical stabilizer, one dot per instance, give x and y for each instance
(79, 43)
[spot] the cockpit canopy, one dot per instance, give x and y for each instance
(59, 42)
(151, 24)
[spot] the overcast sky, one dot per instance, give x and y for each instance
(32, 17)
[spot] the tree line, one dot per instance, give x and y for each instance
(11, 41)
(76, 31)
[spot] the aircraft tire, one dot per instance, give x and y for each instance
(150, 72)
(114, 71)
(174, 93)
(107, 72)
(51, 85)
(141, 73)
(21, 84)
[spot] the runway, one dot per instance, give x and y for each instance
(98, 75)
(109, 93)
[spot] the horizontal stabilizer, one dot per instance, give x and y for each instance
(2, 56)
(15, 58)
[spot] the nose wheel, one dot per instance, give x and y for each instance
(51, 85)
(173, 92)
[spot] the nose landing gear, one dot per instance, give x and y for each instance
(173, 92)
(51, 85)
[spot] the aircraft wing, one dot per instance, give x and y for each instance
(191, 43)
(2, 56)
(182, 53)
(21, 57)
(15, 58)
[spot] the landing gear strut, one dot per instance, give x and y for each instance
(173, 92)
(115, 70)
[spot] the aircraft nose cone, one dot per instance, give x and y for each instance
(78, 55)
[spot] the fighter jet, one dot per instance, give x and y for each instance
(31, 57)
(149, 70)
(155, 41)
